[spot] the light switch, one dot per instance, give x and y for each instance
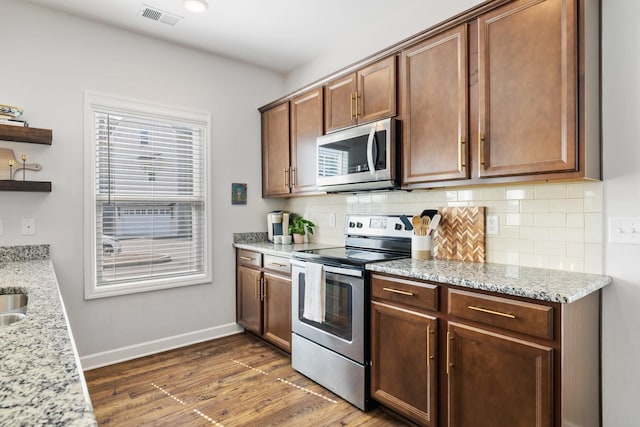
(624, 230)
(493, 224)
(28, 226)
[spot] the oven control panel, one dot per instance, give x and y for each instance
(378, 225)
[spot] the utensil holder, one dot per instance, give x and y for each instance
(421, 247)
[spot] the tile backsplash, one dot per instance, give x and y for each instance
(557, 226)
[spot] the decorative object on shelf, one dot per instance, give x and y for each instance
(299, 227)
(24, 169)
(11, 163)
(8, 161)
(238, 194)
(10, 112)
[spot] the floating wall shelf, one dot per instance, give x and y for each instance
(23, 134)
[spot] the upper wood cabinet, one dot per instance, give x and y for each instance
(434, 89)
(275, 151)
(289, 132)
(527, 88)
(306, 127)
(361, 97)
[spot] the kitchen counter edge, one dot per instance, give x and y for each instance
(41, 380)
(529, 282)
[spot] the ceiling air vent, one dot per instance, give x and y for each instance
(159, 15)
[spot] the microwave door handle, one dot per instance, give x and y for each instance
(370, 141)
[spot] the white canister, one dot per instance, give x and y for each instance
(286, 239)
(421, 247)
(277, 239)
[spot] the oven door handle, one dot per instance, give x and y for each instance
(353, 272)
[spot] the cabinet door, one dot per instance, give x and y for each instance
(306, 126)
(275, 151)
(277, 310)
(434, 85)
(249, 306)
(404, 371)
(527, 88)
(376, 92)
(339, 103)
(495, 380)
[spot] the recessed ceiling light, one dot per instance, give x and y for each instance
(196, 6)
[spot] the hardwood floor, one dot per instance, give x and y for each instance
(233, 381)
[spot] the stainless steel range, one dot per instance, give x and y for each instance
(330, 304)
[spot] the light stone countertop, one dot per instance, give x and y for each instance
(537, 283)
(41, 382)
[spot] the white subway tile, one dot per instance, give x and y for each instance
(534, 260)
(551, 248)
(567, 264)
(575, 220)
(520, 246)
(550, 191)
(550, 220)
(507, 232)
(593, 197)
(566, 205)
(467, 195)
(519, 193)
(575, 190)
(452, 196)
(534, 206)
(535, 233)
(522, 220)
(506, 206)
(593, 258)
(593, 228)
(575, 250)
(567, 235)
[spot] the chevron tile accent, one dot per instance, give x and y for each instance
(461, 234)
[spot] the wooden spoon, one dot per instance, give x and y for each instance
(416, 221)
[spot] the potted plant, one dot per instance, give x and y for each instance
(299, 227)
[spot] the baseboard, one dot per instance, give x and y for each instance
(98, 360)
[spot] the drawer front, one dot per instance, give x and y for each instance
(517, 316)
(406, 292)
(277, 264)
(249, 258)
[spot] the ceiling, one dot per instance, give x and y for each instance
(278, 35)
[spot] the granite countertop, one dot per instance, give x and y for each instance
(258, 242)
(40, 376)
(537, 283)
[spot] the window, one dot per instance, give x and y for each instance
(147, 208)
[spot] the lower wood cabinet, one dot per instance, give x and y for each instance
(444, 356)
(263, 296)
(496, 380)
(403, 366)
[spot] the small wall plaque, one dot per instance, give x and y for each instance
(238, 194)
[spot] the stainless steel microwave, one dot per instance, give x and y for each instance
(359, 158)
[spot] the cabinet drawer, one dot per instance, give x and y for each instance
(517, 316)
(278, 264)
(249, 258)
(414, 294)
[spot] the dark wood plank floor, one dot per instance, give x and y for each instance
(233, 381)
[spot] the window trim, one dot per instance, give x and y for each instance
(94, 101)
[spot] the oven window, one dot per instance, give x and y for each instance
(338, 307)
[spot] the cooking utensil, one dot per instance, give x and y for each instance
(406, 222)
(417, 225)
(7, 154)
(429, 212)
(434, 224)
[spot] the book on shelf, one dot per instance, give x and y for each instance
(14, 122)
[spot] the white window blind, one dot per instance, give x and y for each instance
(149, 201)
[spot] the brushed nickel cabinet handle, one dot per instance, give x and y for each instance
(398, 291)
(275, 264)
(351, 102)
(257, 287)
(263, 295)
(292, 177)
(246, 258)
(448, 351)
(428, 346)
(481, 149)
(461, 163)
(496, 313)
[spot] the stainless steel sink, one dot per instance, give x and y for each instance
(13, 303)
(8, 318)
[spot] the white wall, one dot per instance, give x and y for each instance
(49, 60)
(621, 152)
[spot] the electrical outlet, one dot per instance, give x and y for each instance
(624, 230)
(28, 226)
(493, 224)
(332, 219)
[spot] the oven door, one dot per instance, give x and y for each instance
(360, 155)
(342, 329)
